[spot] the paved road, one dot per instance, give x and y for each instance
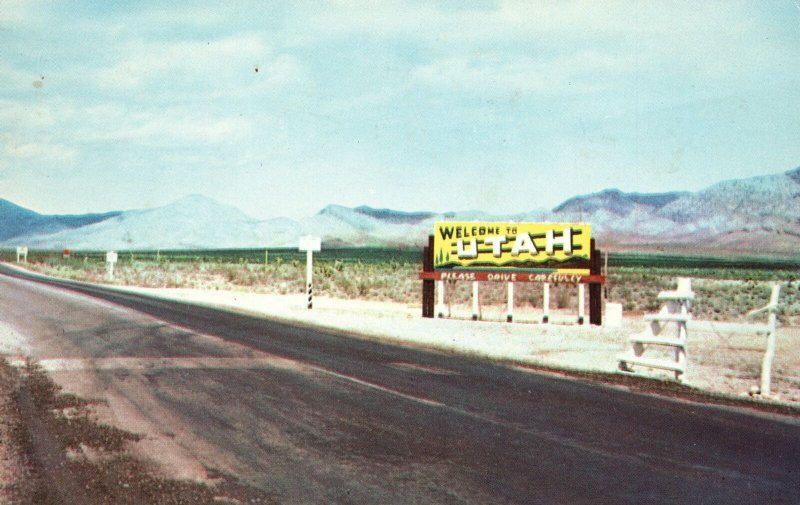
(337, 419)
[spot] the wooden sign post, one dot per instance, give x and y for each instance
(428, 285)
(310, 244)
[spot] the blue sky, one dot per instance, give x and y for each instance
(281, 108)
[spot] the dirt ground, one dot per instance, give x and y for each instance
(55, 449)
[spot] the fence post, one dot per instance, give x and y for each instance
(769, 354)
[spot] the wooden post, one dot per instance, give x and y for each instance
(595, 289)
(607, 286)
(546, 304)
(440, 298)
(475, 301)
(769, 354)
(510, 313)
(428, 286)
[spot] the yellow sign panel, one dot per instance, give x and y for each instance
(562, 248)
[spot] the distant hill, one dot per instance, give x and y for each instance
(755, 215)
(616, 201)
(395, 216)
(191, 222)
(17, 221)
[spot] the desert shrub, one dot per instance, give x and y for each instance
(722, 294)
(563, 297)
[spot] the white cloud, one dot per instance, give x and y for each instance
(15, 79)
(25, 116)
(41, 151)
(513, 18)
(16, 13)
(692, 39)
(218, 63)
(566, 74)
(162, 128)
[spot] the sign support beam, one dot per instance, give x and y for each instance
(428, 286)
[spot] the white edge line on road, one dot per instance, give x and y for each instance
(370, 385)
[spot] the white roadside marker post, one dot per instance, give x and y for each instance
(475, 303)
(310, 244)
(510, 315)
(546, 303)
(581, 297)
(440, 300)
(111, 258)
(309, 276)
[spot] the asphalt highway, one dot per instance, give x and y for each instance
(341, 419)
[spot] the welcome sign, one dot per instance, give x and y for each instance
(535, 248)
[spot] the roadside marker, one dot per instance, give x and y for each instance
(310, 244)
(111, 258)
(22, 252)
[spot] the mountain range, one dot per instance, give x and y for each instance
(748, 216)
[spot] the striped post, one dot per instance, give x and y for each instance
(309, 244)
(309, 275)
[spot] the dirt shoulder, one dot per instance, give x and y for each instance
(53, 451)
(13, 468)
